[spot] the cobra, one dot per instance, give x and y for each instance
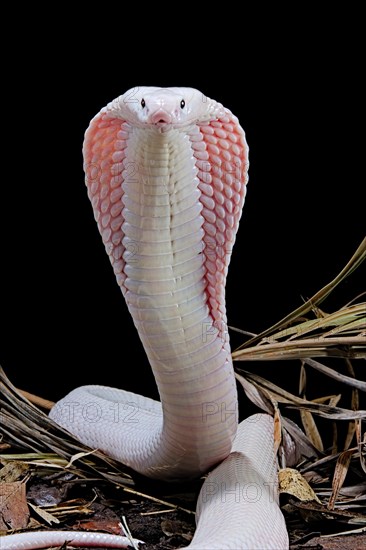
(166, 173)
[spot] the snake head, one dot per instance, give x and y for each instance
(164, 108)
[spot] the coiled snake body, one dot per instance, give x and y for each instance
(166, 172)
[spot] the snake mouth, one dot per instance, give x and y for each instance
(160, 116)
(160, 127)
(161, 119)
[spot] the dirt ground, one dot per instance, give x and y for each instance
(86, 504)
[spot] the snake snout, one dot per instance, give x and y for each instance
(160, 117)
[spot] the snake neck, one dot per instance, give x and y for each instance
(151, 198)
(164, 288)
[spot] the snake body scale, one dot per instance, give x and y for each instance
(166, 173)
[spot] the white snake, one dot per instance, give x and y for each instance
(166, 170)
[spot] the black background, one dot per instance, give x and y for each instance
(297, 92)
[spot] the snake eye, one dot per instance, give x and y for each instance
(182, 104)
(143, 103)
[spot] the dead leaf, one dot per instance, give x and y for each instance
(332, 373)
(312, 512)
(292, 401)
(346, 533)
(314, 477)
(307, 418)
(255, 394)
(112, 526)
(76, 506)
(277, 429)
(293, 483)
(304, 447)
(339, 476)
(311, 429)
(350, 433)
(362, 446)
(355, 405)
(13, 470)
(302, 380)
(14, 512)
(46, 516)
(80, 455)
(172, 528)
